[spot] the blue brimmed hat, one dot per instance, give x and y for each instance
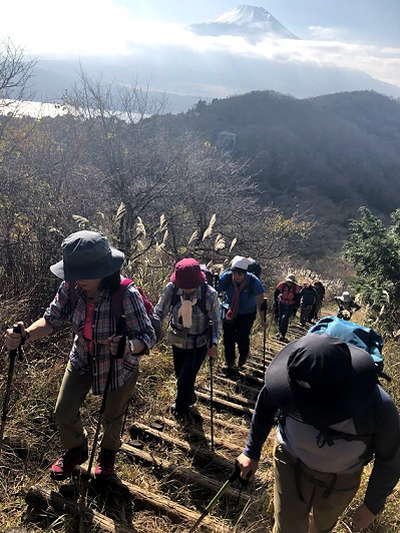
(87, 255)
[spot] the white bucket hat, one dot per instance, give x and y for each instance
(346, 298)
(240, 263)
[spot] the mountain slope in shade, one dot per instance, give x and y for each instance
(245, 21)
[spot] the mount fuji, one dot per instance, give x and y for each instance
(244, 21)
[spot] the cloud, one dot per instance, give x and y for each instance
(104, 28)
(321, 33)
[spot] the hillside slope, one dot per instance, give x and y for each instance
(325, 156)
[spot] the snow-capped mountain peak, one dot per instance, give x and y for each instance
(245, 20)
(244, 14)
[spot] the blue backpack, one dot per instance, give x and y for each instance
(350, 332)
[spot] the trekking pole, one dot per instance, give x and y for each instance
(211, 363)
(7, 394)
(264, 332)
(235, 475)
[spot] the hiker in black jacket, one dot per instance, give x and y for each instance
(334, 418)
(308, 298)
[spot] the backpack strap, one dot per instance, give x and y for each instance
(118, 296)
(117, 310)
(202, 303)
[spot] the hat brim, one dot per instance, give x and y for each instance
(347, 402)
(97, 271)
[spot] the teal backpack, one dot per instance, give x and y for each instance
(350, 332)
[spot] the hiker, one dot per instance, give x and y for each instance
(243, 297)
(190, 303)
(286, 299)
(210, 277)
(308, 298)
(90, 270)
(320, 291)
(333, 418)
(346, 305)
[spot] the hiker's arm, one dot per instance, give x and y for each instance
(38, 329)
(58, 313)
(261, 424)
(386, 470)
(259, 292)
(138, 324)
(162, 308)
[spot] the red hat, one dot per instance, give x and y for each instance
(187, 274)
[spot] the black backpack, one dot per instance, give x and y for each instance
(255, 268)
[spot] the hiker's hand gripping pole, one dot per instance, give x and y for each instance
(211, 363)
(11, 366)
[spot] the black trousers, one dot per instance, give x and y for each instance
(237, 331)
(187, 364)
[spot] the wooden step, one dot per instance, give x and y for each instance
(198, 452)
(42, 499)
(224, 404)
(230, 397)
(147, 499)
(185, 474)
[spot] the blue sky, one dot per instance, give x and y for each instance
(376, 21)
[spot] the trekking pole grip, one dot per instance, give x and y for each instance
(265, 306)
(17, 329)
(210, 333)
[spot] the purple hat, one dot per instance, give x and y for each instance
(187, 274)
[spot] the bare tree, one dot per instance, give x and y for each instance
(15, 72)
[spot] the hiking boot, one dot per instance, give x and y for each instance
(62, 468)
(181, 415)
(105, 464)
(230, 371)
(282, 338)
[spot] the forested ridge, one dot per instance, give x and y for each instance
(324, 156)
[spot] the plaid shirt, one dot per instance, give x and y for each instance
(62, 310)
(197, 335)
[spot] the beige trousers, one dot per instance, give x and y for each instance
(73, 391)
(300, 492)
